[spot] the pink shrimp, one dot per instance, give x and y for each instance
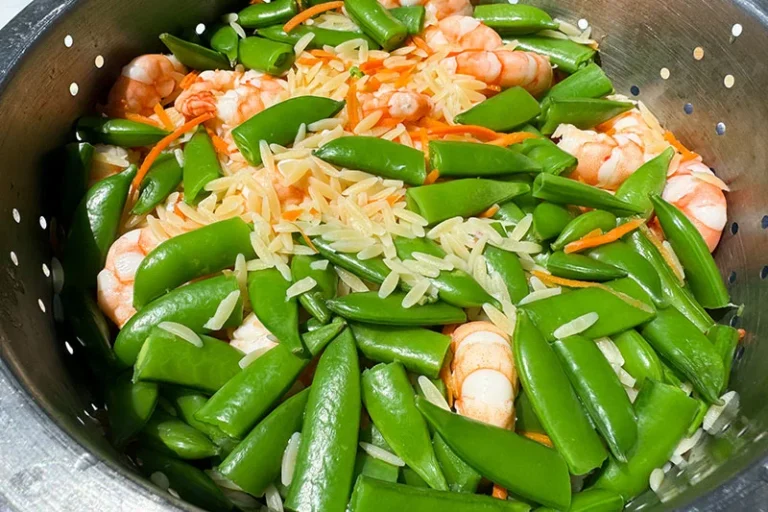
(505, 68)
(252, 336)
(466, 32)
(399, 104)
(439, 9)
(146, 81)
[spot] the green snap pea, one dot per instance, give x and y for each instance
(549, 220)
(557, 189)
(195, 56)
(583, 268)
(371, 434)
(622, 256)
(163, 178)
(567, 55)
(663, 415)
(463, 198)
(373, 270)
(698, 418)
(459, 475)
(377, 22)
(600, 391)
(688, 350)
(118, 132)
(267, 291)
(640, 360)
(474, 160)
(524, 467)
(509, 212)
(129, 406)
(390, 401)
(225, 40)
(421, 351)
(191, 305)
(77, 158)
(544, 152)
(201, 165)
(725, 339)
(215, 247)
(264, 15)
(256, 461)
(504, 112)
(322, 36)
(513, 20)
(327, 281)
(588, 82)
(172, 436)
(554, 401)
(412, 478)
(376, 156)
(596, 500)
(412, 16)
(368, 307)
(326, 459)
(584, 113)
(164, 357)
(526, 420)
(187, 402)
(94, 227)
(375, 468)
(583, 224)
(279, 123)
(700, 268)
(508, 266)
(265, 55)
(648, 180)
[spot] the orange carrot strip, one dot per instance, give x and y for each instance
(218, 143)
(478, 131)
(499, 492)
(389, 122)
(309, 13)
(352, 107)
(188, 80)
(490, 212)
(512, 138)
(687, 154)
(611, 236)
(164, 118)
(307, 239)
(292, 215)
(593, 233)
(136, 118)
(424, 142)
(561, 281)
(371, 65)
(164, 143)
(322, 54)
(539, 438)
(404, 78)
(308, 61)
(178, 211)
(421, 44)
(394, 198)
(432, 177)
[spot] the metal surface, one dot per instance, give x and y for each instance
(52, 454)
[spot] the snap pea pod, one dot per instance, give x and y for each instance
(256, 461)
(376, 156)
(368, 307)
(94, 227)
(326, 459)
(267, 290)
(265, 55)
(118, 132)
(373, 270)
(584, 113)
(377, 22)
(372, 495)
(73, 184)
(412, 16)
(588, 82)
(215, 247)
(421, 351)
(279, 123)
(371, 434)
(463, 198)
(522, 466)
(412, 478)
(375, 468)
(638, 268)
(163, 178)
(725, 339)
(513, 20)
(191, 305)
(594, 500)
(640, 360)
(600, 391)
(508, 266)
(554, 400)
(473, 160)
(663, 415)
(648, 180)
(172, 436)
(187, 402)
(509, 212)
(190, 483)
(322, 36)
(459, 475)
(616, 313)
(583, 224)
(544, 152)
(688, 350)
(698, 418)
(526, 420)
(193, 55)
(557, 189)
(225, 40)
(164, 357)
(700, 268)
(549, 220)
(264, 15)
(504, 112)
(327, 281)
(389, 400)
(567, 55)
(201, 165)
(129, 406)
(583, 268)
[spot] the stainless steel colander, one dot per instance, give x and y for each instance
(700, 65)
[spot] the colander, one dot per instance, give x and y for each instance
(700, 65)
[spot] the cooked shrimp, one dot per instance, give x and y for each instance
(399, 104)
(505, 68)
(464, 31)
(146, 81)
(252, 336)
(483, 374)
(437, 9)
(114, 284)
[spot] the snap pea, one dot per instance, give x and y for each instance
(526, 420)
(663, 415)
(567, 55)
(225, 40)
(375, 468)
(508, 266)
(640, 360)
(376, 156)
(265, 55)
(256, 461)
(463, 198)
(588, 82)
(118, 132)
(509, 212)
(169, 265)
(459, 475)
(377, 22)
(698, 418)
(624, 257)
(326, 460)
(549, 220)
(648, 180)
(327, 281)
(554, 400)
(129, 406)
(191, 305)
(389, 400)
(472, 160)
(373, 270)
(596, 500)
(412, 16)
(163, 178)
(94, 227)
(264, 15)
(544, 152)
(77, 159)
(368, 307)
(583, 224)
(513, 20)
(172, 436)
(187, 402)
(193, 55)
(164, 357)
(557, 189)
(584, 113)
(421, 351)
(725, 339)
(583, 268)
(678, 341)
(503, 112)
(522, 466)
(371, 434)
(279, 123)
(322, 36)
(267, 290)
(412, 478)
(700, 268)
(201, 165)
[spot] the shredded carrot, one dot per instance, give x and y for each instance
(164, 143)
(309, 13)
(561, 281)
(593, 233)
(611, 236)
(404, 78)
(432, 123)
(499, 492)
(424, 138)
(742, 334)
(178, 211)
(490, 212)
(352, 107)
(188, 80)
(292, 215)
(164, 117)
(219, 145)
(474, 130)
(136, 118)
(394, 198)
(432, 177)
(371, 85)
(512, 138)
(322, 54)
(539, 438)
(371, 65)
(687, 154)
(308, 61)
(389, 122)
(307, 240)
(421, 44)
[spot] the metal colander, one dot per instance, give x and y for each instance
(700, 65)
